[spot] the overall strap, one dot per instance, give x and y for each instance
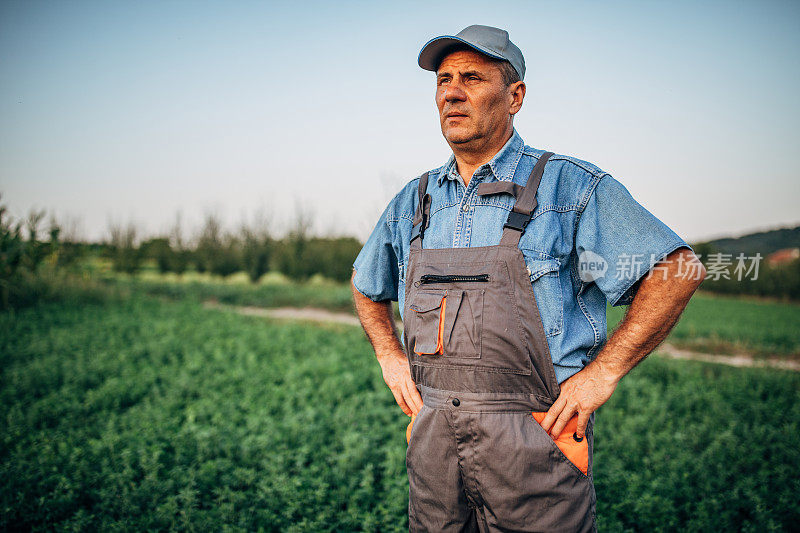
(422, 213)
(497, 187)
(523, 208)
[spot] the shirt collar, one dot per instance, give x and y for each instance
(501, 166)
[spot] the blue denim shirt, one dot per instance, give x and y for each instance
(588, 242)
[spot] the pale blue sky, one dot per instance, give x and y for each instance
(138, 110)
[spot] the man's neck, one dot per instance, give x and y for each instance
(468, 161)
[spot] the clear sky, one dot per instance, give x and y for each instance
(118, 111)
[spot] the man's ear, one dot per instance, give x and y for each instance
(517, 93)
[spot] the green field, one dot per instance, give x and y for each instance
(725, 324)
(710, 323)
(149, 414)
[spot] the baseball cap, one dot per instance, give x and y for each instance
(488, 40)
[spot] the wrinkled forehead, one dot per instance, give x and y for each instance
(462, 60)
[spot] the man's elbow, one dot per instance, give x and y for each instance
(702, 274)
(694, 272)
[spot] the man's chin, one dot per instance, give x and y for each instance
(459, 137)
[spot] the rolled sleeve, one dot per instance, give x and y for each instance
(377, 272)
(628, 239)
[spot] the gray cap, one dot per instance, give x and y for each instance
(487, 40)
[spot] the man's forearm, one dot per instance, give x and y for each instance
(659, 302)
(377, 319)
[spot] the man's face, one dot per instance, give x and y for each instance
(474, 103)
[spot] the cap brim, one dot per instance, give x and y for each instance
(431, 53)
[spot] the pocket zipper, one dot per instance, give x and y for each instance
(452, 278)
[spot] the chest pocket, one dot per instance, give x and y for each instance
(447, 322)
(429, 316)
(547, 289)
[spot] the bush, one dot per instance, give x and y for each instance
(126, 256)
(217, 252)
(21, 259)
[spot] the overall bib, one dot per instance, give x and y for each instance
(477, 458)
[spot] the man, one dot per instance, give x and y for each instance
(502, 261)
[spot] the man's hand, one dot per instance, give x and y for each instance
(377, 318)
(397, 376)
(582, 393)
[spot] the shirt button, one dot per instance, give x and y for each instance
(529, 270)
(466, 207)
(456, 402)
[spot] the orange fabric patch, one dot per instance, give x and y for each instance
(576, 452)
(440, 338)
(408, 429)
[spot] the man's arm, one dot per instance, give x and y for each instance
(377, 320)
(655, 309)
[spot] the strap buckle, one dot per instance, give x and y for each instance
(419, 229)
(517, 221)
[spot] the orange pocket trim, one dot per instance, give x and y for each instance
(408, 429)
(576, 452)
(440, 337)
(439, 333)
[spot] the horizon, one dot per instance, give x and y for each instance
(191, 234)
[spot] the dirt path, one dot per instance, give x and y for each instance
(732, 360)
(295, 313)
(666, 349)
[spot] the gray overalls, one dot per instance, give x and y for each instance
(477, 459)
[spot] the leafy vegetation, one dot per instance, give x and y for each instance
(144, 414)
(711, 323)
(698, 447)
(34, 267)
(725, 324)
(37, 267)
(281, 293)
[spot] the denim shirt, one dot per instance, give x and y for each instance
(589, 242)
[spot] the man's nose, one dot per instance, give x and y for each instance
(454, 92)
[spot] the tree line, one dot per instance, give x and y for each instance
(34, 252)
(777, 281)
(26, 246)
(251, 249)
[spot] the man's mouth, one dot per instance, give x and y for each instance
(455, 115)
